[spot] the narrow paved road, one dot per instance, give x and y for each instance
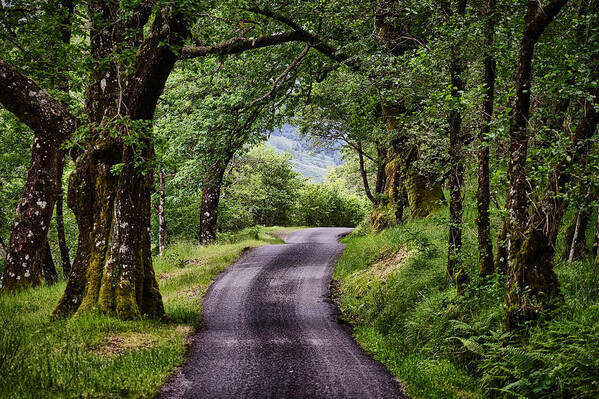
(268, 331)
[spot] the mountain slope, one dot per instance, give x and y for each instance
(314, 165)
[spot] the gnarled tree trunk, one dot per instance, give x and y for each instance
(424, 195)
(51, 124)
(109, 191)
(29, 260)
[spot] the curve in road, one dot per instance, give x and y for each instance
(268, 331)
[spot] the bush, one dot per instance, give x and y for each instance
(321, 205)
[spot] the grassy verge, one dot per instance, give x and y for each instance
(99, 356)
(392, 289)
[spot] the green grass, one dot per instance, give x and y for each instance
(99, 356)
(392, 289)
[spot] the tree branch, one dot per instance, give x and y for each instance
(33, 105)
(311, 39)
(282, 76)
(239, 45)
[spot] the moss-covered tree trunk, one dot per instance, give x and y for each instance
(423, 193)
(381, 172)
(501, 255)
(532, 285)
(112, 270)
(109, 191)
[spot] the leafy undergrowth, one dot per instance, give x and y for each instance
(393, 291)
(96, 355)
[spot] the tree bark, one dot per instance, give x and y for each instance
(210, 199)
(575, 238)
(51, 124)
(109, 191)
(363, 173)
(381, 174)
(523, 253)
(596, 239)
(423, 193)
(500, 260)
(485, 248)
(62, 240)
(163, 233)
(455, 270)
(28, 260)
(48, 269)
(3, 250)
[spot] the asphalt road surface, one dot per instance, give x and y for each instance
(269, 331)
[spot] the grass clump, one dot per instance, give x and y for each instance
(392, 289)
(96, 355)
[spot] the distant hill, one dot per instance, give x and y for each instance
(309, 163)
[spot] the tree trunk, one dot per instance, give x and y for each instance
(529, 279)
(51, 124)
(596, 239)
(3, 250)
(163, 234)
(381, 174)
(48, 269)
(500, 260)
(485, 248)
(27, 259)
(424, 195)
(396, 191)
(62, 240)
(27, 249)
(363, 173)
(575, 238)
(455, 270)
(209, 207)
(109, 191)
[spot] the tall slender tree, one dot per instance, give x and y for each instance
(485, 248)
(525, 279)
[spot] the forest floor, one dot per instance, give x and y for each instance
(98, 355)
(269, 330)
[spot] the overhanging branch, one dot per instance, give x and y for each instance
(239, 45)
(33, 106)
